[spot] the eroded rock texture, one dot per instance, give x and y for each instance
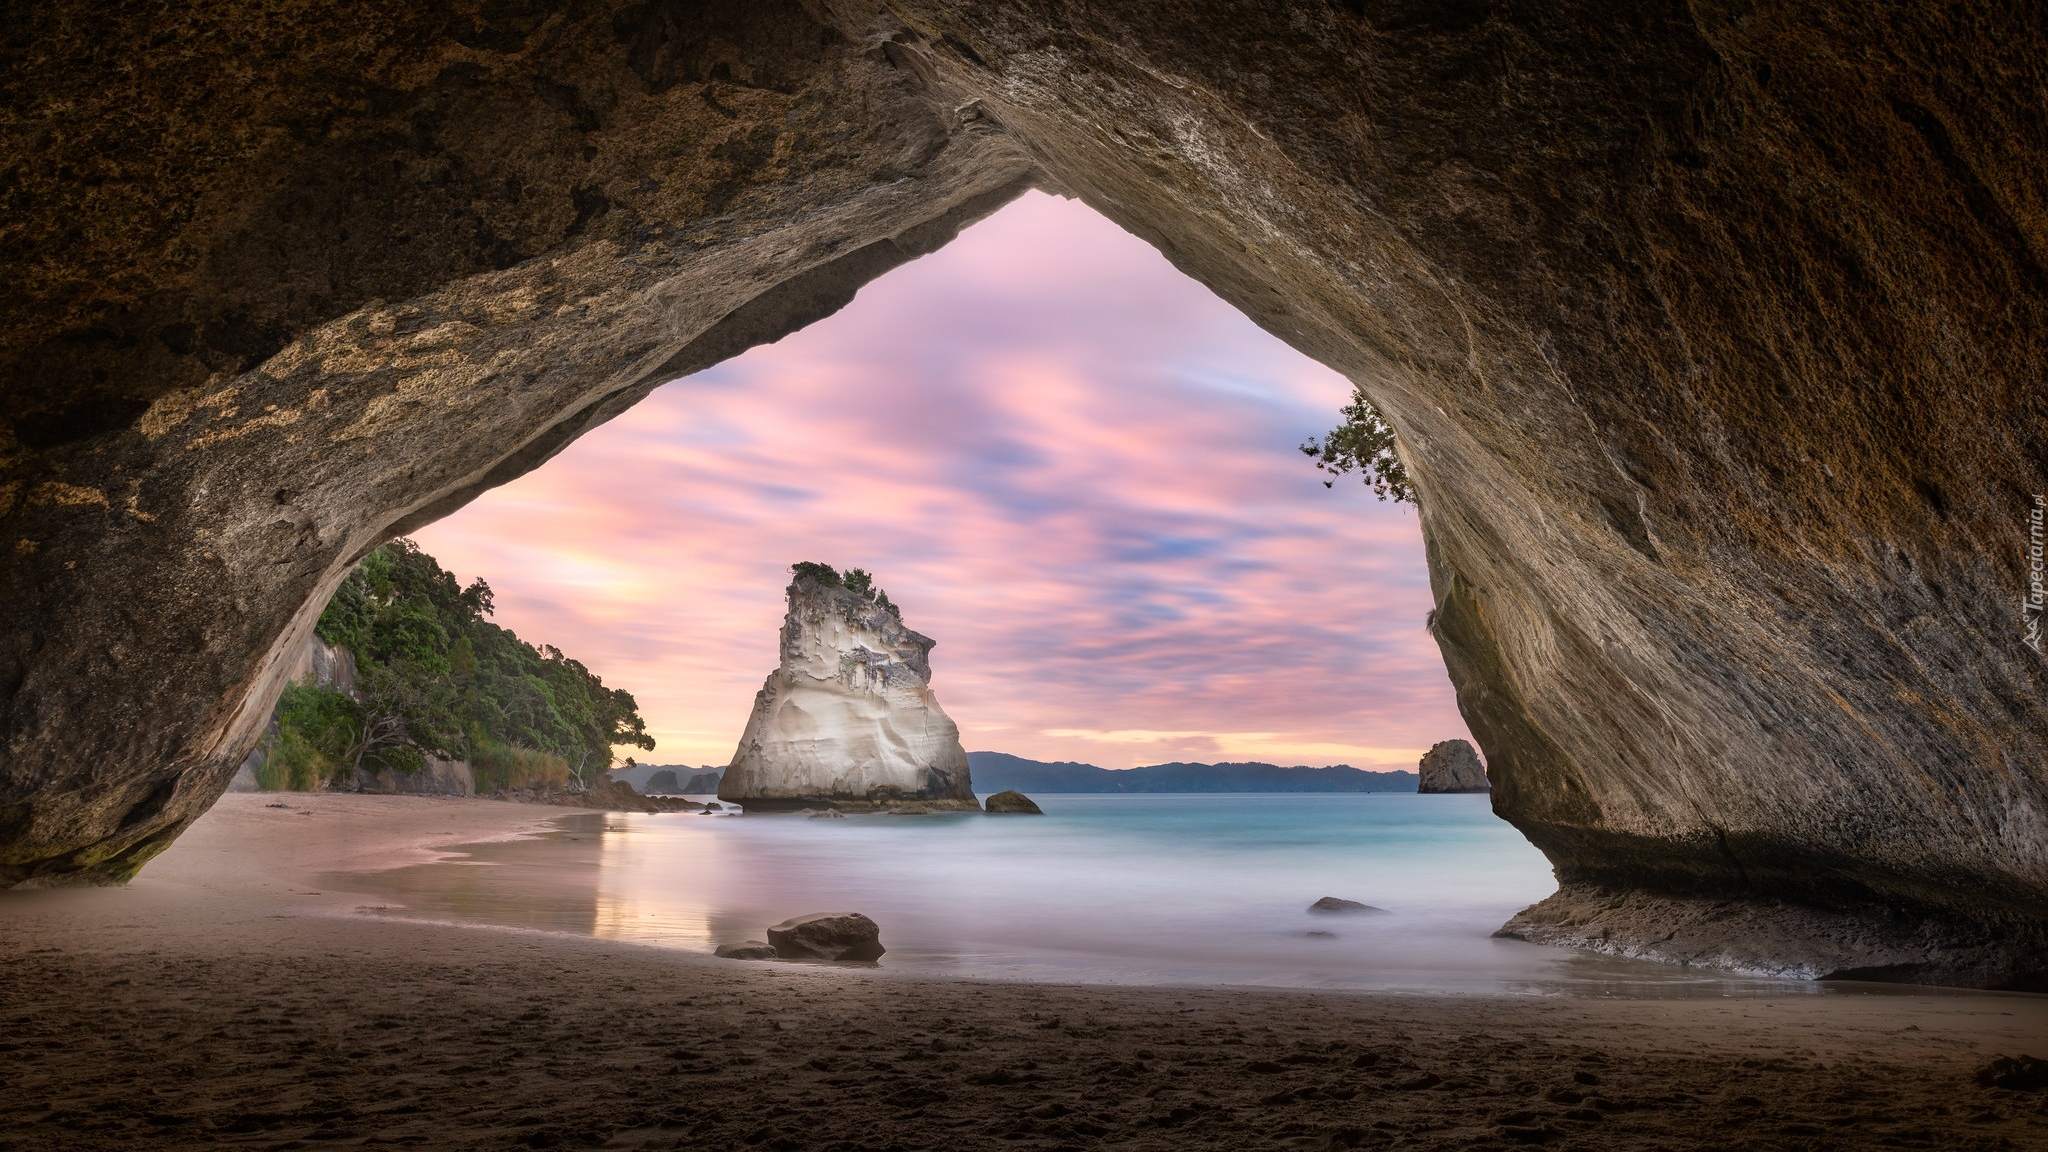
(848, 718)
(286, 279)
(1451, 766)
(1712, 333)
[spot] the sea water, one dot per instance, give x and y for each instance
(1210, 889)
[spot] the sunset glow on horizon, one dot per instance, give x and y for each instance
(1067, 462)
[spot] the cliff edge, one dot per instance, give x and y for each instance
(848, 718)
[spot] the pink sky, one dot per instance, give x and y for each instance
(1068, 463)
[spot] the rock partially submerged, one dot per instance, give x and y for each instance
(1452, 766)
(1333, 906)
(848, 720)
(1012, 803)
(827, 936)
(746, 950)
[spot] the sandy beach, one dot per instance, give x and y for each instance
(235, 995)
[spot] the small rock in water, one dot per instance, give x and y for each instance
(828, 936)
(714, 806)
(1451, 766)
(1334, 905)
(1321, 935)
(1012, 803)
(746, 950)
(827, 814)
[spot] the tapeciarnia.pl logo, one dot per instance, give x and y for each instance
(2036, 602)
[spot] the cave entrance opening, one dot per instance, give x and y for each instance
(1068, 462)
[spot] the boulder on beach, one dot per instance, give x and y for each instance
(827, 936)
(1452, 766)
(746, 950)
(1011, 803)
(1331, 905)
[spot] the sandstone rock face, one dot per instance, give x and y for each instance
(848, 719)
(827, 936)
(1714, 336)
(437, 777)
(1452, 766)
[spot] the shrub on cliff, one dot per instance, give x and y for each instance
(1363, 442)
(856, 580)
(821, 573)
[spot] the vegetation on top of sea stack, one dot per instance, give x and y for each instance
(436, 678)
(856, 580)
(1364, 442)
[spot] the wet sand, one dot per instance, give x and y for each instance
(237, 995)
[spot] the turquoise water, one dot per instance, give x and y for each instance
(1140, 889)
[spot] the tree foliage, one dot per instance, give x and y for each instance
(1363, 442)
(436, 678)
(857, 580)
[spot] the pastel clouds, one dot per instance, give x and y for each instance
(1069, 463)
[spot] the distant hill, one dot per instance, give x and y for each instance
(999, 771)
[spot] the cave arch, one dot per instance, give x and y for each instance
(1713, 337)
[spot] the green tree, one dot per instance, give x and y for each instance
(436, 677)
(310, 742)
(1364, 442)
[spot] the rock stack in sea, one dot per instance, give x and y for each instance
(848, 719)
(1452, 766)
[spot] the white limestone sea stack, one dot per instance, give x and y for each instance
(848, 721)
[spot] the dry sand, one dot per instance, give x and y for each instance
(224, 1000)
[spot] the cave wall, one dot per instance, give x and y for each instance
(1712, 333)
(296, 278)
(1713, 336)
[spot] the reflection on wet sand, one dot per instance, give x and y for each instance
(547, 882)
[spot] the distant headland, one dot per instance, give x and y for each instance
(998, 771)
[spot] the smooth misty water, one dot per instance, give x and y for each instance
(1162, 889)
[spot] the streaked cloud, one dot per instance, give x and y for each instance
(1070, 464)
